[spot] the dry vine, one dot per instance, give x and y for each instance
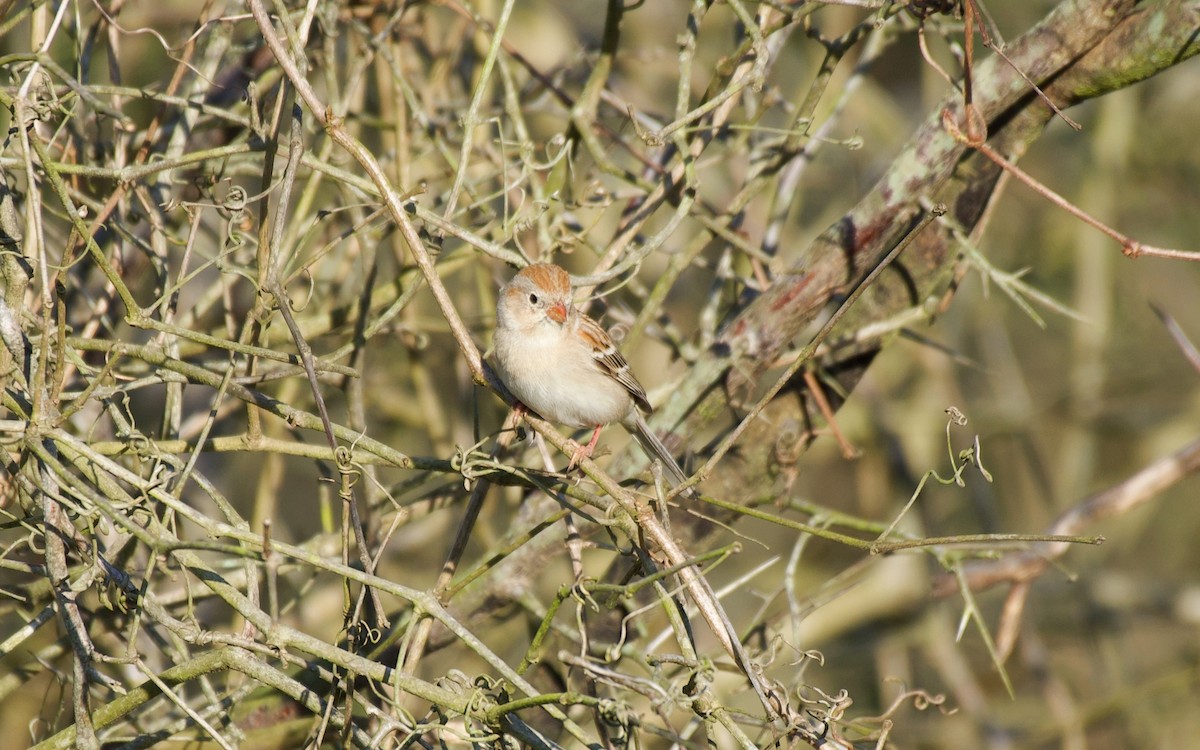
(257, 470)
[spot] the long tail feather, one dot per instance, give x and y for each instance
(654, 448)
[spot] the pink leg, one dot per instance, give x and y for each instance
(585, 451)
(515, 419)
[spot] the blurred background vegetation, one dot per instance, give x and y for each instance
(1067, 396)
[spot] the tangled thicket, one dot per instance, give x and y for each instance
(260, 489)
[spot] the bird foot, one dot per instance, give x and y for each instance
(578, 453)
(581, 452)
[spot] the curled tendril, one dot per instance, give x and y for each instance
(801, 655)
(137, 510)
(234, 239)
(311, 290)
(580, 594)
(557, 149)
(652, 139)
(461, 463)
(921, 700)
(835, 705)
(486, 692)
(138, 443)
(161, 475)
(32, 543)
(471, 464)
(235, 200)
(362, 633)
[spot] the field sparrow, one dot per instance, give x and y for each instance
(562, 365)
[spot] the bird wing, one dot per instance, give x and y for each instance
(608, 359)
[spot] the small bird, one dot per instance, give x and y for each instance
(562, 365)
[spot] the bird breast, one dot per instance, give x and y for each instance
(552, 371)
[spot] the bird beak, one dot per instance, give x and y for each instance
(557, 312)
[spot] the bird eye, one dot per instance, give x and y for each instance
(533, 299)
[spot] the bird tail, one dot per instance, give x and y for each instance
(656, 451)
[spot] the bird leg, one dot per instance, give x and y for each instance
(516, 419)
(584, 451)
